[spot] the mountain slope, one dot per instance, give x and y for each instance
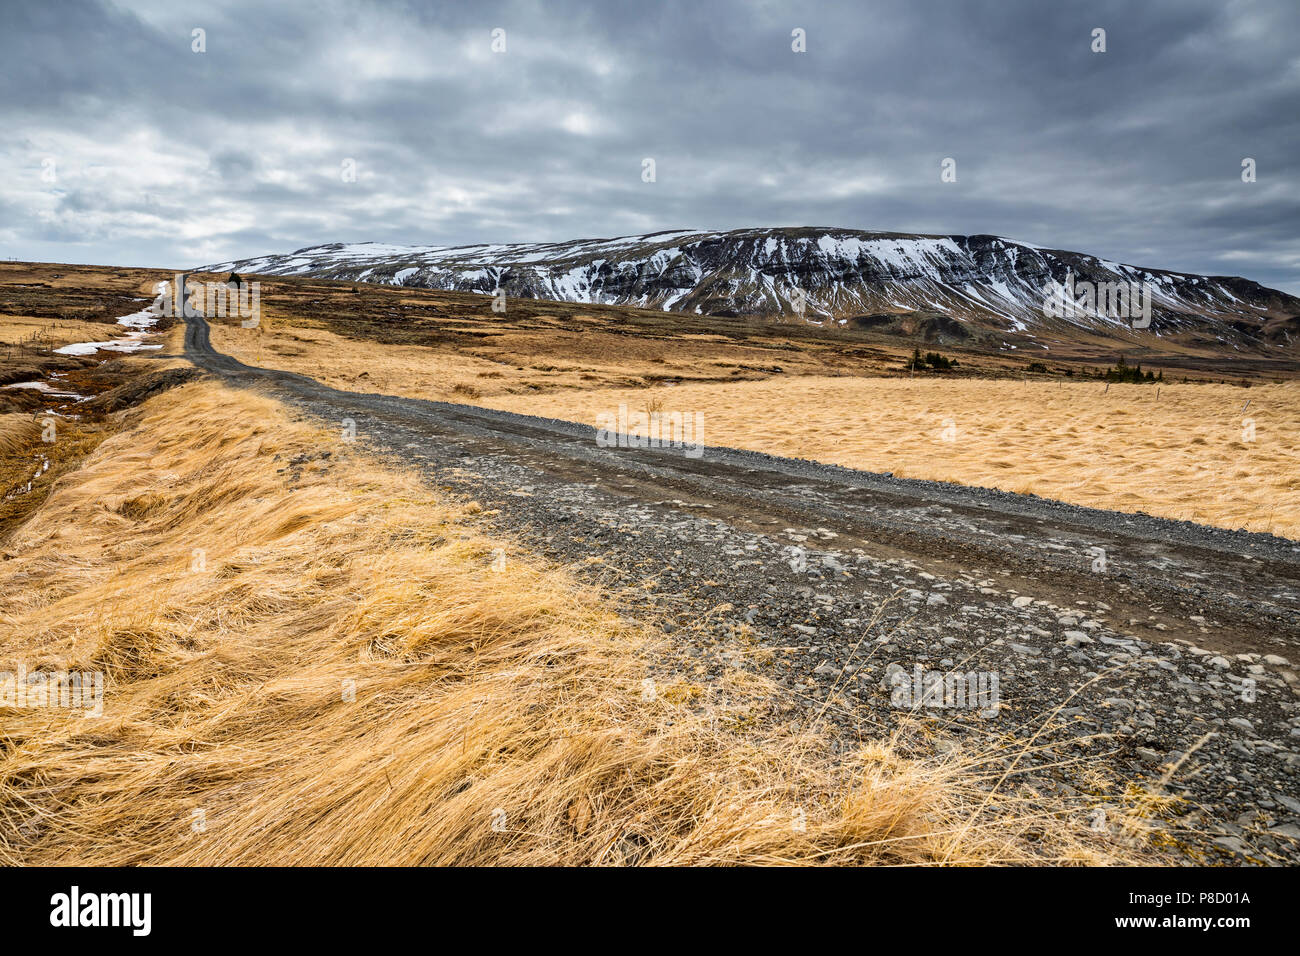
(936, 287)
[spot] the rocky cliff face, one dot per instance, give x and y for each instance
(966, 285)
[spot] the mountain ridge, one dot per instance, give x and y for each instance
(939, 287)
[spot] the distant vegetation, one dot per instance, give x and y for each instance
(919, 362)
(1122, 372)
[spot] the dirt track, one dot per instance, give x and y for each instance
(801, 556)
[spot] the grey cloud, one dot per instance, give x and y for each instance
(1133, 154)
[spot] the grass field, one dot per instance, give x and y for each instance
(1197, 452)
(1178, 450)
(61, 304)
(309, 658)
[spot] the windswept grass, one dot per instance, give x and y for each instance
(309, 659)
(30, 465)
(17, 433)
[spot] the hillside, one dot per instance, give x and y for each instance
(951, 289)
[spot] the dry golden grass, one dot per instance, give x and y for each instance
(17, 328)
(17, 433)
(30, 466)
(505, 357)
(1182, 456)
(413, 370)
(69, 303)
(235, 587)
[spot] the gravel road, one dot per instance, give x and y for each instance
(1134, 643)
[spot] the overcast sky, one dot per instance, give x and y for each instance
(120, 144)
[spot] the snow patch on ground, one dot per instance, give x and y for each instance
(139, 322)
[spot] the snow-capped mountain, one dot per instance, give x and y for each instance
(947, 286)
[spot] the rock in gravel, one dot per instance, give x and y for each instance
(1022, 601)
(1290, 803)
(1276, 660)
(1231, 844)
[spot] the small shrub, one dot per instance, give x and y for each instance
(1123, 372)
(931, 360)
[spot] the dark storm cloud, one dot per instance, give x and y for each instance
(163, 156)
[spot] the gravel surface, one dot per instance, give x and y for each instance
(1135, 648)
